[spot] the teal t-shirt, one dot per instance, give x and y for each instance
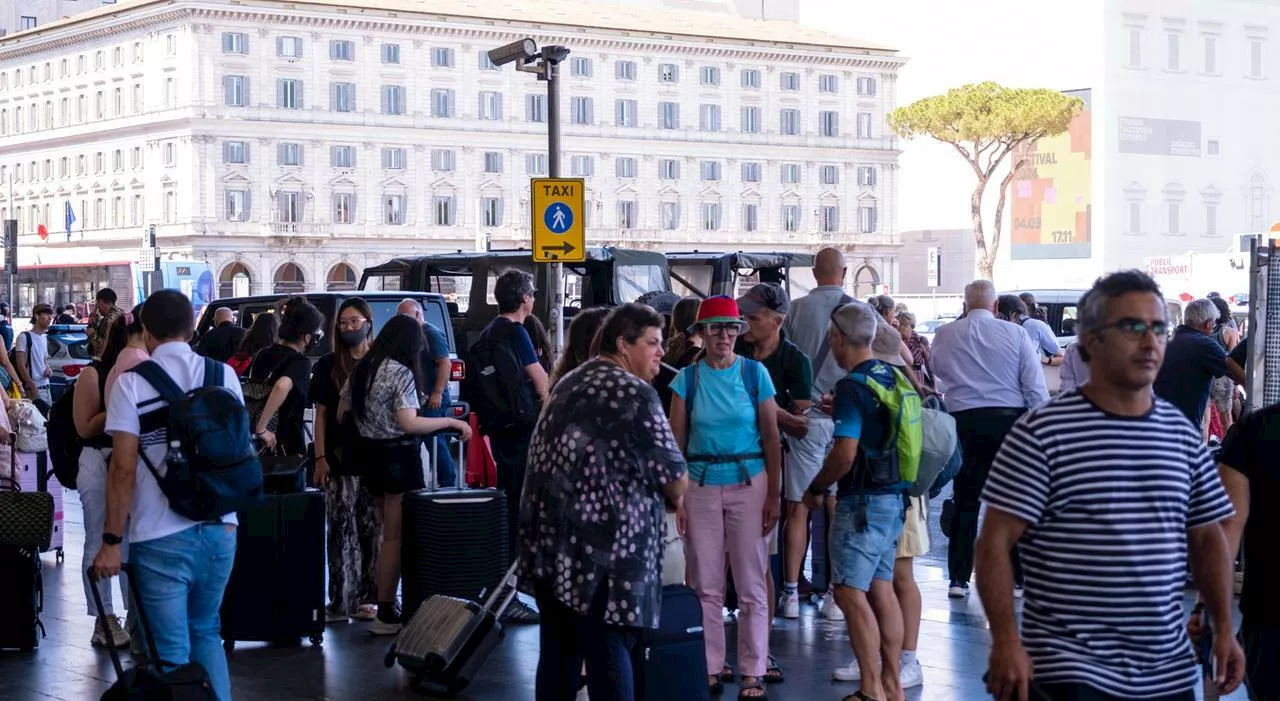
(723, 421)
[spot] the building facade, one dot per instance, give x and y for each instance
(291, 148)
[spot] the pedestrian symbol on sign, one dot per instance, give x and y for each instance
(558, 218)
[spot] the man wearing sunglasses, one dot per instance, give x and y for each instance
(1107, 491)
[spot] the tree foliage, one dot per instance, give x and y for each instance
(984, 123)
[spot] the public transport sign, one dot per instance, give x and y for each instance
(559, 207)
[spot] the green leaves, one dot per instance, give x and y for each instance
(985, 113)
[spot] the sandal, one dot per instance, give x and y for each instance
(717, 686)
(773, 672)
(756, 685)
(726, 674)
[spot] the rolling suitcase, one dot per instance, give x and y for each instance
(454, 543)
(188, 682)
(277, 588)
(22, 590)
(449, 638)
(35, 474)
(673, 658)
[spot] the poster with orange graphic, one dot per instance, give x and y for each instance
(1051, 208)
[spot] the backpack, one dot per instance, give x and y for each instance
(498, 389)
(13, 356)
(898, 460)
(29, 435)
(212, 468)
(937, 446)
(65, 442)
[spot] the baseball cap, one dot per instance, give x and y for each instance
(887, 345)
(766, 295)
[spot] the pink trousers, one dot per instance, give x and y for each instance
(730, 518)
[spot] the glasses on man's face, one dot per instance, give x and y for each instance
(1137, 328)
(723, 329)
(351, 323)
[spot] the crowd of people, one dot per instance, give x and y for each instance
(689, 441)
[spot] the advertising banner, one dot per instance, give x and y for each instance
(1159, 137)
(1051, 208)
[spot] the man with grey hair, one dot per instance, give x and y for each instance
(992, 373)
(1192, 361)
(869, 508)
(437, 365)
(223, 340)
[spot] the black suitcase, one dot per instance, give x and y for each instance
(277, 588)
(454, 542)
(673, 657)
(22, 590)
(188, 682)
(449, 639)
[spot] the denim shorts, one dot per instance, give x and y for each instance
(857, 557)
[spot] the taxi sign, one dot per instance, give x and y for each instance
(559, 233)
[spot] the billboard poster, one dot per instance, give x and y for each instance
(1159, 137)
(1051, 208)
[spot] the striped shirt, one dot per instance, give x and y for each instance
(1108, 501)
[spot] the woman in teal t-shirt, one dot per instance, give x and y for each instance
(723, 415)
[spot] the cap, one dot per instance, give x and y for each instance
(41, 308)
(766, 295)
(887, 345)
(720, 309)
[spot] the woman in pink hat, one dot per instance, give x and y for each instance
(723, 415)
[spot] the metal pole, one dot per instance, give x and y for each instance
(556, 293)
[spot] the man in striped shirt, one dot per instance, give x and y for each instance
(1105, 490)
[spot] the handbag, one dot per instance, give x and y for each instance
(26, 518)
(29, 433)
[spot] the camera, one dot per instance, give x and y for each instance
(523, 50)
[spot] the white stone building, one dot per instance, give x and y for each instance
(289, 146)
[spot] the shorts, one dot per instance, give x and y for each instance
(859, 557)
(395, 467)
(804, 461)
(914, 540)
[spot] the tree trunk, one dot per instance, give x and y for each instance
(979, 238)
(988, 262)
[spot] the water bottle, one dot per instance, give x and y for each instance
(176, 460)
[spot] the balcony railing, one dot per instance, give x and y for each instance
(283, 228)
(722, 238)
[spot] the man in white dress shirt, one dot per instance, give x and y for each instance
(992, 371)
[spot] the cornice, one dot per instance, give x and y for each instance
(613, 42)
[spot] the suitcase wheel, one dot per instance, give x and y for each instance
(389, 659)
(60, 557)
(228, 645)
(317, 640)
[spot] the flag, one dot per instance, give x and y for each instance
(71, 219)
(44, 232)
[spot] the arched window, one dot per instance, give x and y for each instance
(289, 280)
(234, 281)
(341, 278)
(865, 282)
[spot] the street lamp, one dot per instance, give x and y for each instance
(545, 64)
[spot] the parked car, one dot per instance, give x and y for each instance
(928, 328)
(68, 355)
(383, 305)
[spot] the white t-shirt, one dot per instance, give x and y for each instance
(134, 408)
(38, 352)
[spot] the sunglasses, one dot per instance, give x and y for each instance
(1137, 328)
(722, 329)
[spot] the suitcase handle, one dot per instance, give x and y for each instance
(433, 448)
(507, 586)
(135, 600)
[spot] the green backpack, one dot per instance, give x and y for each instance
(904, 409)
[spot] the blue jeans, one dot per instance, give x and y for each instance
(446, 472)
(180, 579)
(864, 545)
(568, 638)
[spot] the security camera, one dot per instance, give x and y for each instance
(523, 50)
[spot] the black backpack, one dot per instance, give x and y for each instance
(65, 442)
(498, 388)
(218, 471)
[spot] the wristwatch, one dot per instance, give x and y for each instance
(111, 539)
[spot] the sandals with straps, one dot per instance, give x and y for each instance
(757, 685)
(773, 672)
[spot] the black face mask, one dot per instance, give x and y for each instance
(356, 337)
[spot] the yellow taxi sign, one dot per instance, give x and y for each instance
(559, 233)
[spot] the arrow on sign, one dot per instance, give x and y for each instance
(564, 249)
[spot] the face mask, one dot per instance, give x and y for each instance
(313, 341)
(356, 337)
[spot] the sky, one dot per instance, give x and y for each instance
(1014, 42)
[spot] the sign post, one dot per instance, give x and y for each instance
(935, 267)
(149, 261)
(558, 208)
(11, 257)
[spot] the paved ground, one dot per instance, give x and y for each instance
(953, 649)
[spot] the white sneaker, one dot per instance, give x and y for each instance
(107, 632)
(958, 590)
(911, 675)
(830, 610)
(381, 627)
(848, 673)
(789, 606)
